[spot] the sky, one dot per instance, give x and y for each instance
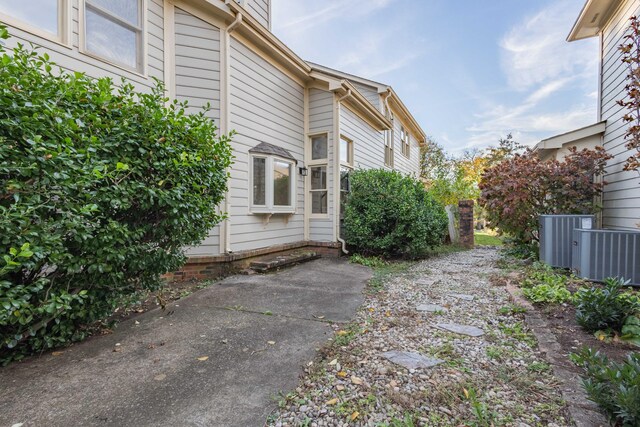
(470, 71)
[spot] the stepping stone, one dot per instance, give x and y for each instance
(411, 360)
(431, 308)
(425, 281)
(472, 331)
(464, 297)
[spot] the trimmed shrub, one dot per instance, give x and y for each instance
(604, 308)
(101, 189)
(614, 387)
(392, 215)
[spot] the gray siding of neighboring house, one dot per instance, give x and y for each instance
(321, 121)
(259, 9)
(368, 143)
(266, 106)
(621, 199)
(369, 92)
(408, 166)
(71, 59)
(197, 80)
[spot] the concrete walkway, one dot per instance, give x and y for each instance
(256, 333)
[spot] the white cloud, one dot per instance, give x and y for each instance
(552, 79)
(536, 51)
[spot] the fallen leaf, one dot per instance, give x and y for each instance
(160, 377)
(203, 358)
(56, 353)
(342, 374)
(355, 415)
(318, 317)
(341, 332)
(466, 392)
(332, 401)
(339, 387)
(271, 342)
(333, 362)
(356, 380)
(371, 309)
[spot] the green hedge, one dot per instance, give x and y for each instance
(392, 215)
(101, 188)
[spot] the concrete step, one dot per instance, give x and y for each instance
(274, 262)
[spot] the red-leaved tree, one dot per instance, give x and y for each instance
(516, 191)
(630, 49)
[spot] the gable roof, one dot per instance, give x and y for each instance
(395, 103)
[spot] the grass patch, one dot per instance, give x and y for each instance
(487, 238)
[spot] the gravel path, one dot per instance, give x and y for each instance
(497, 378)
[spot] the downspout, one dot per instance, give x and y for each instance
(235, 23)
(387, 109)
(227, 203)
(337, 162)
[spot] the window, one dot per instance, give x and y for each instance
(113, 31)
(42, 17)
(318, 174)
(404, 140)
(273, 185)
(388, 147)
(346, 151)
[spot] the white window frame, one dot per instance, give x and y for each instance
(406, 142)
(389, 143)
(63, 37)
(141, 69)
(317, 163)
(269, 207)
(349, 162)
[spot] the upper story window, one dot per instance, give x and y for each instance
(42, 17)
(346, 152)
(113, 30)
(272, 180)
(405, 141)
(318, 174)
(388, 147)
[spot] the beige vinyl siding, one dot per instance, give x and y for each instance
(197, 80)
(259, 9)
(368, 143)
(369, 92)
(266, 106)
(411, 165)
(321, 121)
(621, 199)
(70, 58)
(197, 62)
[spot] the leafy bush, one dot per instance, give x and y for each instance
(544, 285)
(102, 188)
(516, 191)
(604, 308)
(614, 387)
(548, 293)
(390, 214)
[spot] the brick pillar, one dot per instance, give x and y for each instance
(465, 207)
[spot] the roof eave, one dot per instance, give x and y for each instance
(592, 18)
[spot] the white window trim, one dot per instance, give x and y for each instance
(389, 144)
(347, 164)
(63, 38)
(269, 207)
(406, 142)
(316, 163)
(82, 39)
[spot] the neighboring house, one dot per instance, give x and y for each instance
(300, 127)
(557, 147)
(609, 21)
